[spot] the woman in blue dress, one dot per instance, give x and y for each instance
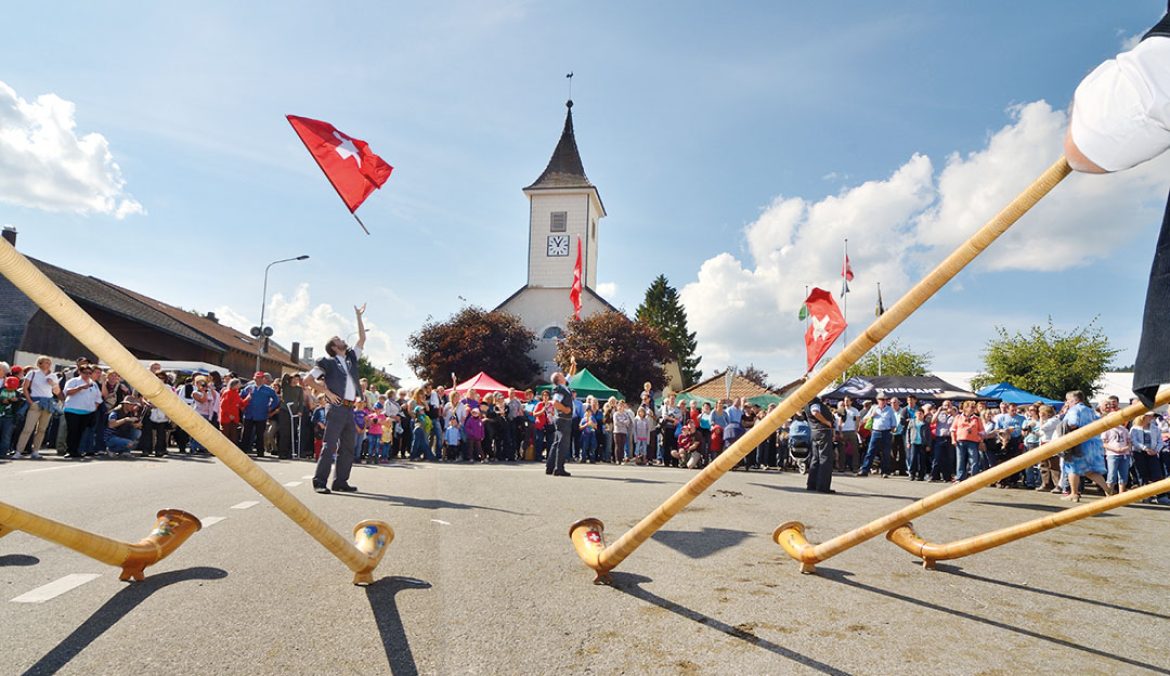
(1087, 459)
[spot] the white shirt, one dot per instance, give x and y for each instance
(85, 400)
(41, 385)
(849, 419)
(1121, 111)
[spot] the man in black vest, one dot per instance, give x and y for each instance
(562, 401)
(336, 377)
(1120, 118)
(820, 461)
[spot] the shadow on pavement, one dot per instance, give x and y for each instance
(631, 584)
(959, 572)
(801, 489)
(424, 503)
(701, 544)
(18, 560)
(113, 610)
(1037, 506)
(381, 597)
(842, 577)
(578, 475)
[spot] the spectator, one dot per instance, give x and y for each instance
(230, 405)
(967, 434)
(260, 404)
(1087, 459)
(1118, 451)
(623, 428)
(642, 427)
(123, 427)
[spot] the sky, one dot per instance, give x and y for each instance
(736, 147)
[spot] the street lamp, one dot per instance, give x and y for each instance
(263, 333)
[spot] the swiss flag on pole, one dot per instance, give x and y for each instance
(575, 291)
(824, 326)
(847, 270)
(349, 164)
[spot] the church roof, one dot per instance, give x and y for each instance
(564, 169)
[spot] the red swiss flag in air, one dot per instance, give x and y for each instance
(575, 290)
(825, 324)
(349, 164)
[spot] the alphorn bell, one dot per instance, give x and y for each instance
(790, 536)
(42, 291)
(609, 557)
(905, 536)
(172, 529)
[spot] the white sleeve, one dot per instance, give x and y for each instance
(1121, 111)
(316, 373)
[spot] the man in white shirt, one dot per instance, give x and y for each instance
(847, 457)
(1121, 118)
(336, 377)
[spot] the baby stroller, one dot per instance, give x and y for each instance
(799, 443)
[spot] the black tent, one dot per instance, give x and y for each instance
(926, 388)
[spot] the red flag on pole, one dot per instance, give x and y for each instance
(575, 291)
(349, 164)
(847, 270)
(825, 325)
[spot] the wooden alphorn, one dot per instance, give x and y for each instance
(592, 536)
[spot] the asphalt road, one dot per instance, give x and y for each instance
(481, 579)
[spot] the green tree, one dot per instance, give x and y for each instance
(379, 379)
(891, 359)
(471, 341)
(622, 353)
(1047, 361)
(662, 309)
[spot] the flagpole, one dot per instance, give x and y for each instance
(880, 350)
(355, 217)
(845, 297)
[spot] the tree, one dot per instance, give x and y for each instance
(471, 341)
(891, 360)
(622, 353)
(662, 309)
(1046, 361)
(378, 379)
(756, 375)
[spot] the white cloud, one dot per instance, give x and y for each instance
(45, 165)
(296, 318)
(745, 309)
(607, 290)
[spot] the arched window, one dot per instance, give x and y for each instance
(552, 333)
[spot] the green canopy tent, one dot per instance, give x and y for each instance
(586, 384)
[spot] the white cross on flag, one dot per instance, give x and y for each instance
(825, 324)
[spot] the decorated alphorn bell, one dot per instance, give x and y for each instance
(172, 529)
(790, 536)
(41, 290)
(908, 539)
(610, 556)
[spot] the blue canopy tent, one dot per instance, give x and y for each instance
(1010, 394)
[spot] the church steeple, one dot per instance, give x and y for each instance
(564, 169)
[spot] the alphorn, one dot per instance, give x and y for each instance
(908, 539)
(588, 535)
(361, 556)
(172, 529)
(790, 536)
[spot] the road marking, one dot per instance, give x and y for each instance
(52, 469)
(445, 523)
(211, 520)
(293, 484)
(246, 504)
(56, 588)
(307, 476)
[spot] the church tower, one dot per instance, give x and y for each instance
(563, 206)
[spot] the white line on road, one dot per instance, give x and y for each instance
(445, 523)
(51, 469)
(293, 484)
(307, 476)
(246, 504)
(211, 520)
(56, 588)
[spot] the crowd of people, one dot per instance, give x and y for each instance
(88, 411)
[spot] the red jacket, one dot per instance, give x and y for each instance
(229, 407)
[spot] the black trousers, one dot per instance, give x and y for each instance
(253, 436)
(76, 426)
(820, 460)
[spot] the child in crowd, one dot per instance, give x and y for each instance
(451, 438)
(589, 439)
(473, 428)
(360, 413)
(10, 401)
(641, 436)
(387, 436)
(421, 446)
(374, 422)
(318, 424)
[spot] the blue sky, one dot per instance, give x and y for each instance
(734, 145)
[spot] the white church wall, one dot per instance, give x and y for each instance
(541, 308)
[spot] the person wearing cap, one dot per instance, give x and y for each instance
(336, 377)
(883, 422)
(260, 403)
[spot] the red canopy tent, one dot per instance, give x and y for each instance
(483, 383)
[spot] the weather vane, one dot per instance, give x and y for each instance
(569, 76)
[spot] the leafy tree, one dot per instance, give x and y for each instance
(662, 309)
(891, 359)
(379, 379)
(756, 375)
(1047, 361)
(471, 341)
(622, 353)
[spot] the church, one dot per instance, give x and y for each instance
(564, 208)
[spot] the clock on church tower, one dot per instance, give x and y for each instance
(558, 245)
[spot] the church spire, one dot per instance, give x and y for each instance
(564, 169)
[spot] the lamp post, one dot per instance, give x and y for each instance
(263, 333)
